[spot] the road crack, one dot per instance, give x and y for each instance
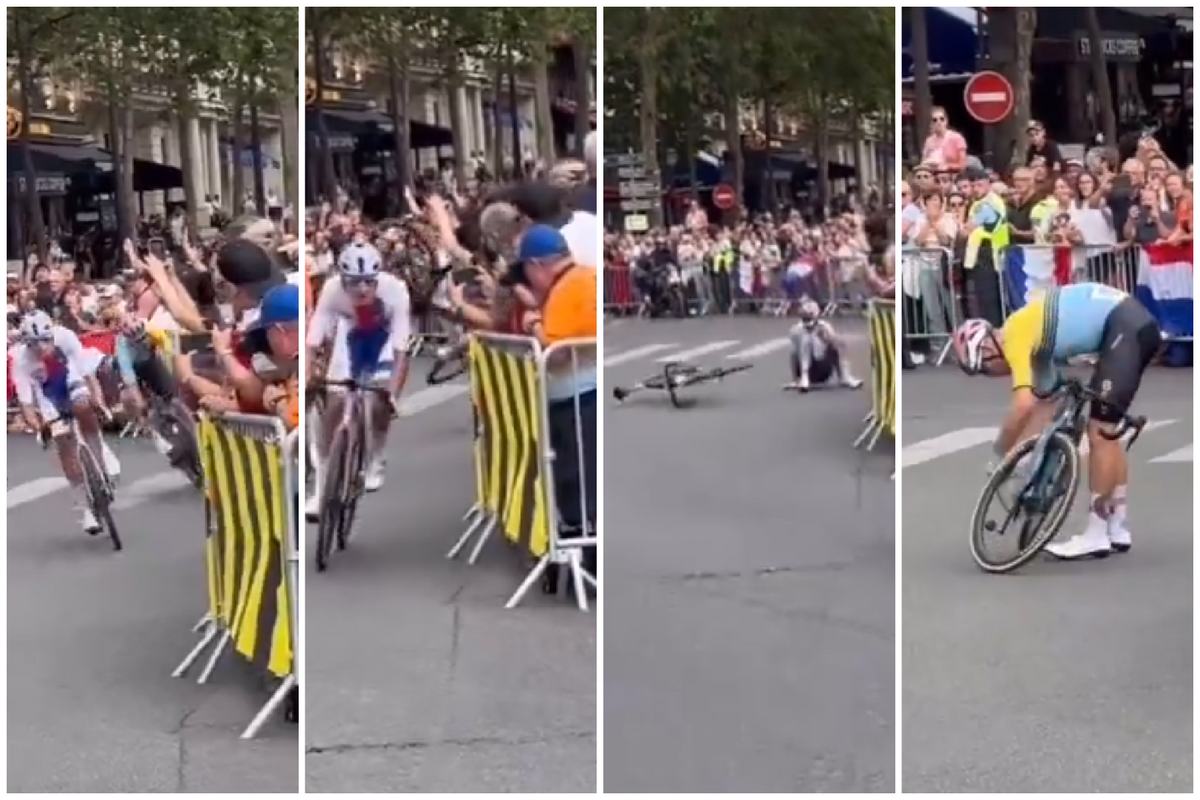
(759, 572)
(466, 742)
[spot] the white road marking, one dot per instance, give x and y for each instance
(945, 445)
(430, 397)
(636, 353)
(29, 491)
(144, 490)
(696, 352)
(1182, 455)
(762, 349)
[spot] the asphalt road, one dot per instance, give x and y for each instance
(1063, 677)
(749, 574)
(93, 636)
(417, 679)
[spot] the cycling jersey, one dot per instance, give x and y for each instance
(365, 337)
(53, 382)
(1060, 324)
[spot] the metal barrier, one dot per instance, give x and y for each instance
(430, 331)
(251, 551)
(535, 456)
(882, 418)
(930, 303)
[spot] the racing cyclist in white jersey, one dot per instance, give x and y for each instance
(55, 380)
(368, 315)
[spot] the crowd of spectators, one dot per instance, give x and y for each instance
(761, 264)
(1100, 207)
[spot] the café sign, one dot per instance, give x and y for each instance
(1116, 46)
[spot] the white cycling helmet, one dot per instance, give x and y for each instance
(37, 327)
(968, 344)
(361, 261)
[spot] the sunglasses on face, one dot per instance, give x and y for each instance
(354, 282)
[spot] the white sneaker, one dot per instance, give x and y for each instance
(851, 382)
(90, 525)
(112, 464)
(374, 478)
(1092, 543)
(312, 507)
(803, 385)
(917, 358)
(1119, 537)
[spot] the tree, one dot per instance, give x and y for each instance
(1104, 95)
(919, 53)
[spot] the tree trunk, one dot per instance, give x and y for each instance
(328, 181)
(923, 98)
(1104, 94)
(495, 135)
(1026, 28)
(116, 106)
(399, 89)
(822, 151)
(256, 155)
(514, 117)
(33, 203)
(856, 140)
(733, 145)
(126, 192)
(290, 121)
(547, 151)
(239, 144)
(582, 52)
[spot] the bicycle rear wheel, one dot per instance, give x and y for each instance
(1048, 493)
(331, 500)
(99, 494)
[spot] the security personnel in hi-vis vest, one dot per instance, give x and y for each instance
(722, 268)
(987, 237)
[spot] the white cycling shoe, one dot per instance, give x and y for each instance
(312, 507)
(375, 474)
(1092, 543)
(89, 522)
(1119, 537)
(112, 464)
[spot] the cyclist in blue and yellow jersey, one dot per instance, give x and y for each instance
(1063, 323)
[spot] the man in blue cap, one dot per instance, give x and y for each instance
(276, 335)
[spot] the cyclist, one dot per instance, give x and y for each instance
(55, 381)
(367, 313)
(1065, 322)
(139, 362)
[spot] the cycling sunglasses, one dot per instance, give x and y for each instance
(350, 280)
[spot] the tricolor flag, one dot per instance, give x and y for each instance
(1164, 286)
(1029, 271)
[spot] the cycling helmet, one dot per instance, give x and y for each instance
(360, 261)
(968, 344)
(37, 327)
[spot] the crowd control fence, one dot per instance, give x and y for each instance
(535, 456)
(882, 419)
(251, 495)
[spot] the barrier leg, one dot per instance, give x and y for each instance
(534, 576)
(580, 577)
(871, 425)
(272, 705)
(471, 513)
(941, 359)
(209, 634)
(480, 518)
(217, 652)
(203, 622)
(484, 535)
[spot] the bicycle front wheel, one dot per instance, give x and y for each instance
(353, 474)
(332, 500)
(99, 493)
(1048, 494)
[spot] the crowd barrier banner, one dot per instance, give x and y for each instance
(521, 470)
(252, 563)
(882, 419)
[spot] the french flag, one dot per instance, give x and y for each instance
(1164, 286)
(1029, 271)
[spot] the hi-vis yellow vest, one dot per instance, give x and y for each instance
(998, 237)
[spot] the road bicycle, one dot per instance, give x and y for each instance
(171, 420)
(449, 363)
(677, 375)
(99, 489)
(1048, 470)
(343, 483)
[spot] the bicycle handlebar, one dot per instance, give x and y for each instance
(353, 385)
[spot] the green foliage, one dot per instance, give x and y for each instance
(813, 61)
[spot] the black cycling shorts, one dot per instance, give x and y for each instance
(153, 374)
(1130, 342)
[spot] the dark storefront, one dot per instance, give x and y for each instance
(1148, 58)
(361, 143)
(75, 181)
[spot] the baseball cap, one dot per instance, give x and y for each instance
(279, 306)
(542, 242)
(248, 267)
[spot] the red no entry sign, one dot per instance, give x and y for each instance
(724, 197)
(989, 97)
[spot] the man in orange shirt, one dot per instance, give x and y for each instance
(566, 296)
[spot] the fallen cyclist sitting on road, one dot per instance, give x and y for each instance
(1066, 322)
(818, 356)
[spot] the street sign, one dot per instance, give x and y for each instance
(639, 205)
(989, 97)
(637, 223)
(724, 197)
(637, 189)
